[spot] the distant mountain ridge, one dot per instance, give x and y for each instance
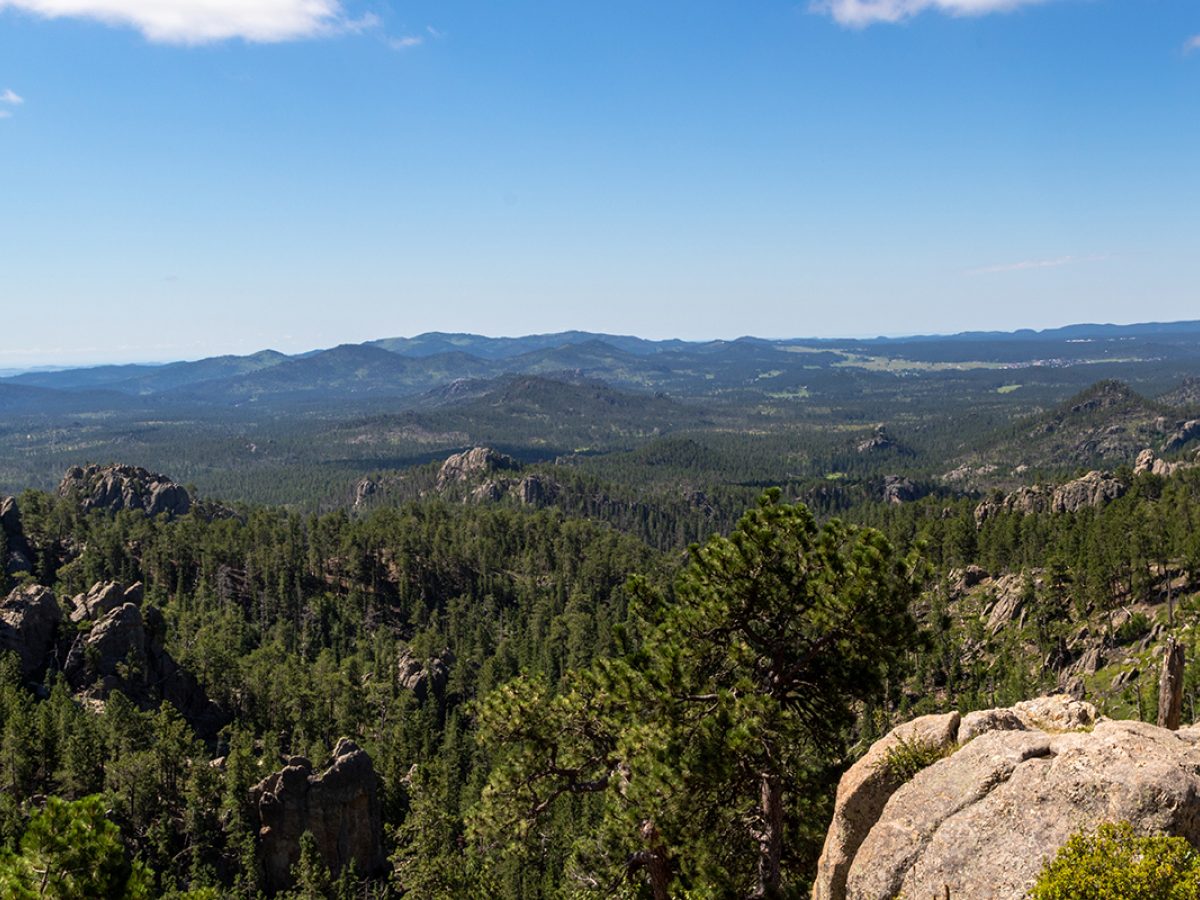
(497, 348)
(1064, 332)
(403, 369)
(150, 379)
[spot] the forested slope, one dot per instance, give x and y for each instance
(421, 619)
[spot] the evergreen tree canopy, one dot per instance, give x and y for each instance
(701, 741)
(70, 851)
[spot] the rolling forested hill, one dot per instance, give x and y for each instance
(300, 430)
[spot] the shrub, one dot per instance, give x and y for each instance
(1113, 863)
(1136, 626)
(904, 760)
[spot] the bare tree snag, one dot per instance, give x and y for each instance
(1170, 686)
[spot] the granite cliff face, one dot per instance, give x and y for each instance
(339, 805)
(424, 677)
(484, 475)
(1011, 788)
(29, 619)
(18, 556)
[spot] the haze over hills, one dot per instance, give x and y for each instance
(983, 404)
(435, 358)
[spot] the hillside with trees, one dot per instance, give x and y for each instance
(625, 645)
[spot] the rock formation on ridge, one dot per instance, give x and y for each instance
(470, 463)
(1094, 489)
(123, 650)
(120, 487)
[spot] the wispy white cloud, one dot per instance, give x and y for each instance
(205, 21)
(861, 13)
(1024, 265)
(409, 41)
(1193, 43)
(9, 98)
(366, 22)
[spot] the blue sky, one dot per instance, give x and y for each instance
(189, 177)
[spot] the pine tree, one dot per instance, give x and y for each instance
(702, 740)
(70, 851)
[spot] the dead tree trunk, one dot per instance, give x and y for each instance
(770, 836)
(1170, 686)
(654, 861)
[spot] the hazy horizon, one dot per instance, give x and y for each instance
(7, 371)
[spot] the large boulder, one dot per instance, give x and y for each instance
(29, 619)
(102, 599)
(983, 820)
(340, 806)
(117, 487)
(864, 791)
(424, 677)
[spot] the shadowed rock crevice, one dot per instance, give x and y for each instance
(17, 555)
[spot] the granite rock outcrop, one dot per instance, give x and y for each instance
(339, 805)
(1011, 786)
